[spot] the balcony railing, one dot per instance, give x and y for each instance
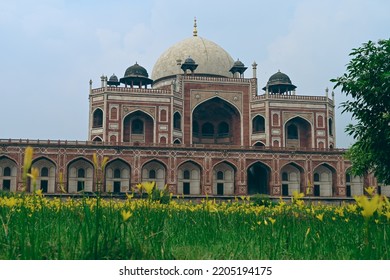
(115, 145)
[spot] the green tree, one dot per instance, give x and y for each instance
(367, 82)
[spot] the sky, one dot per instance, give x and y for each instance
(49, 50)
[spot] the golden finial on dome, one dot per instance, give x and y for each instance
(195, 32)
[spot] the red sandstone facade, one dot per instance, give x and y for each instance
(198, 133)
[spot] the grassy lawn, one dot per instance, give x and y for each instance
(35, 227)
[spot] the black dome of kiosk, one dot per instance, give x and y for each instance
(238, 67)
(279, 83)
(113, 81)
(189, 64)
(136, 75)
(136, 70)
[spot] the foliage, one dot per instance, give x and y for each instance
(367, 81)
(261, 199)
(163, 196)
(35, 227)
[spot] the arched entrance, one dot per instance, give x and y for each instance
(297, 133)
(8, 171)
(154, 171)
(291, 178)
(353, 184)
(138, 127)
(47, 171)
(216, 121)
(324, 179)
(258, 178)
(189, 178)
(223, 179)
(80, 176)
(117, 176)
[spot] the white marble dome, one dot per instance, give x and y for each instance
(211, 59)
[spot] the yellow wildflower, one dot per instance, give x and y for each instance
(99, 165)
(126, 215)
(272, 220)
(339, 211)
(300, 203)
(387, 214)
(320, 216)
(129, 196)
(369, 205)
(352, 207)
(104, 162)
(307, 232)
(28, 155)
(61, 179)
(309, 187)
(34, 176)
(148, 187)
(297, 195)
(39, 192)
(370, 190)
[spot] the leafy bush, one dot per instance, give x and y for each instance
(261, 199)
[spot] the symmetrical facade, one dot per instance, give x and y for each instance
(199, 127)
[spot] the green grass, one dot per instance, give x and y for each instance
(34, 227)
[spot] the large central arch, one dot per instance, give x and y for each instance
(298, 133)
(138, 127)
(258, 175)
(216, 121)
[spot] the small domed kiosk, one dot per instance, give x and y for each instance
(113, 81)
(136, 75)
(238, 67)
(279, 83)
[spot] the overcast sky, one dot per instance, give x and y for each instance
(49, 50)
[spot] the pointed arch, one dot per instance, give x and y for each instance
(97, 118)
(8, 174)
(177, 121)
(97, 139)
(353, 184)
(298, 132)
(330, 126)
(224, 185)
(259, 144)
(292, 178)
(76, 182)
(324, 180)
(117, 176)
(154, 170)
(216, 121)
(114, 113)
(258, 124)
(189, 178)
(138, 126)
(258, 178)
(45, 181)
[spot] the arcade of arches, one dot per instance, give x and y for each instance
(190, 178)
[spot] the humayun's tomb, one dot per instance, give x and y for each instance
(200, 127)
